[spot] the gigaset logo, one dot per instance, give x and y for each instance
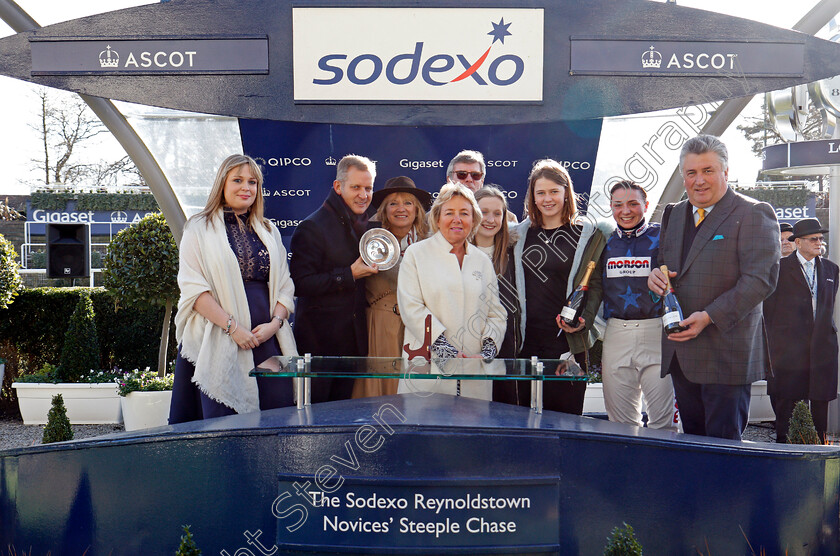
(435, 69)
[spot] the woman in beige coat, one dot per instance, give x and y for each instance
(401, 209)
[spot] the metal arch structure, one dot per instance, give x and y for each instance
(116, 123)
(723, 117)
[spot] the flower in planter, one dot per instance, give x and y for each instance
(143, 381)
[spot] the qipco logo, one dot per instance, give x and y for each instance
(368, 54)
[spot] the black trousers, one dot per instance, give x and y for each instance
(562, 396)
(784, 409)
(718, 410)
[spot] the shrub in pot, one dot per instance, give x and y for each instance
(141, 270)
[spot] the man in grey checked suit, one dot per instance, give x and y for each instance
(723, 253)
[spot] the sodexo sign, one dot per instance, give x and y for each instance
(417, 54)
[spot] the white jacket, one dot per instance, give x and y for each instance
(463, 301)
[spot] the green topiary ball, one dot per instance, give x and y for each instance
(141, 266)
(80, 352)
(58, 425)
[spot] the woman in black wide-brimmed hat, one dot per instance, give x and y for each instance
(401, 209)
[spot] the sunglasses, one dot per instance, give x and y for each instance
(813, 239)
(462, 175)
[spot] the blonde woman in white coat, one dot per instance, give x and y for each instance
(447, 277)
(236, 294)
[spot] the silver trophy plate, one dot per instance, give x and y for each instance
(380, 247)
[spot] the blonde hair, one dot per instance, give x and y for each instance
(554, 171)
(501, 241)
(216, 200)
(420, 224)
(447, 192)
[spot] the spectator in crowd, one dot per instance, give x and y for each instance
(802, 332)
(236, 294)
(786, 231)
(494, 239)
(467, 168)
(722, 250)
(401, 209)
(329, 274)
(632, 351)
(551, 254)
(447, 277)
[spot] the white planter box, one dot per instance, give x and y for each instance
(87, 404)
(593, 402)
(144, 410)
(760, 408)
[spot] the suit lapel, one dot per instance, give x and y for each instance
(822, 286)
(710, 225)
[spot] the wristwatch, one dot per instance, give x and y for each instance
(278, 317)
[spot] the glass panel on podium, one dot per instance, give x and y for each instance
(303, 368)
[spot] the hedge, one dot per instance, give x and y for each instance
(32, 330)
(778, 196)
(94, 201)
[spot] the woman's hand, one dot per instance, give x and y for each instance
(462, 355)
(568, 329)
(263, 332)
(245, 339)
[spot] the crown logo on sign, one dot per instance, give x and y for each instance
(109, 58)
(651, 59)
(119, 216)
(330, 161)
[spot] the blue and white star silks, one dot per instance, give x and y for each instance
(630, 298)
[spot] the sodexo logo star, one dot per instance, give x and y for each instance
(411, 55)
(358, 72)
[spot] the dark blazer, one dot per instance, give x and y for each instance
(803, 348)
(731, 267)
(330, 316)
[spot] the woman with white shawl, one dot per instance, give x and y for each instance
(236, 296)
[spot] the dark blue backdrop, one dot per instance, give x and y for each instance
(298, 158)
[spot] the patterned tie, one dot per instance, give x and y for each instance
(811, 277)
(701, 214)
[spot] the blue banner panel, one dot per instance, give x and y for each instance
(299, 159)
(435, 516)
(102, 222)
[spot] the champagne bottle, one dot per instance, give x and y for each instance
(671, 311)
(576, 302)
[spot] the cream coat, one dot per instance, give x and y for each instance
(208, 264)
(463, 301)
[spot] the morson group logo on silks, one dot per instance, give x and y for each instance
(418, 55)
(619, 267)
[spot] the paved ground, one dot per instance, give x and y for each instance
(14, 434)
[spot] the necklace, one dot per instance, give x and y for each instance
(545, 237)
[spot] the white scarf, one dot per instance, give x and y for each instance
(207, 263)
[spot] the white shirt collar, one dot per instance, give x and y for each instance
(802, 260)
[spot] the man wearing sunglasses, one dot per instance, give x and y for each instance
(467, 168)
(801, 331)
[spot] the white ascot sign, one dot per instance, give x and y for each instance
(418, 54)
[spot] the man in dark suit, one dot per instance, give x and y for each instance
(722, 251)
(329, 274)
(800, 325)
